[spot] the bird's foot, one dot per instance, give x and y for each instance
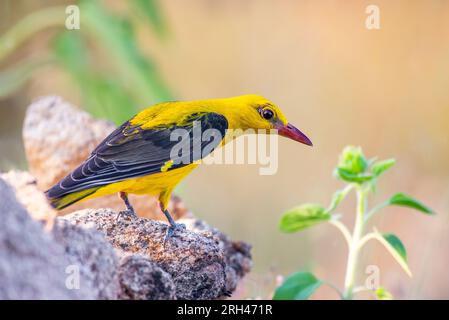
(129, 214)
(172, 229)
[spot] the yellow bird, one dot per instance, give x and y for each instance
(138, 156)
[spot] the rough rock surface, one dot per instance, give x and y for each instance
(237, 253)
(58, 137)
(113, 259)
(142, 279)
(197, 261)
(32, 264)
(92, 257)
(28, 194)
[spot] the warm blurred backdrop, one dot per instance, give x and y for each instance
(386, 90)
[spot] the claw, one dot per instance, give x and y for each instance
(126, 213)
(171, 230)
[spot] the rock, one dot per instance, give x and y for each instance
(32, 264)
(197, 260)
(237, 253)
(111, 274)
(90, 255)
(142, 279)
(58, 137)
(28, 194)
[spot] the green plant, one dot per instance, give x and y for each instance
(361, 175)
(114, 86)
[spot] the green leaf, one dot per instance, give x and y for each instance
(401, 199)
(352, 160)
(298, 286)
(338, 197)
(152, 12)
(302, 217)
(353, 177)
(116, 36)
(382, 294)
(396, 248)
(102, 95)
(381, 166)
(396, 243)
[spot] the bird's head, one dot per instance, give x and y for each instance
(256, 112)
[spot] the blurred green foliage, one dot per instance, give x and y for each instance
(298, 286)
(361, 175)
(115, 87)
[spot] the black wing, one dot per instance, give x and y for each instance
(130, 152)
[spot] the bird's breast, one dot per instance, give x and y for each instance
(153, 184)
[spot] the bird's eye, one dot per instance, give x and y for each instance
(267, 114)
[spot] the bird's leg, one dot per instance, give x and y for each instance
(129, 207)
(124, 197)
(173, 225)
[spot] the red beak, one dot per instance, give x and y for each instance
(291, 132)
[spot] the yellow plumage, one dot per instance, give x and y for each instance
(134, 158)
(158, 184)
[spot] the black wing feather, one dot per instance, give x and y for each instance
(130, 152)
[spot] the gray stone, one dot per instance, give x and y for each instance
(125, 258)
(32, 264)
(195, 260)
(142, 279)
(94, 258)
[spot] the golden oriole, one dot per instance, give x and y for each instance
(136, 157)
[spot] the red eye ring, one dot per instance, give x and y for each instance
(267, 114)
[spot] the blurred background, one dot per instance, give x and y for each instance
(385, 90)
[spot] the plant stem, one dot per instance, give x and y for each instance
(351, 267)
(340, 226)
(374, 210)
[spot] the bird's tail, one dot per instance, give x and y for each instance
(61, 202)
